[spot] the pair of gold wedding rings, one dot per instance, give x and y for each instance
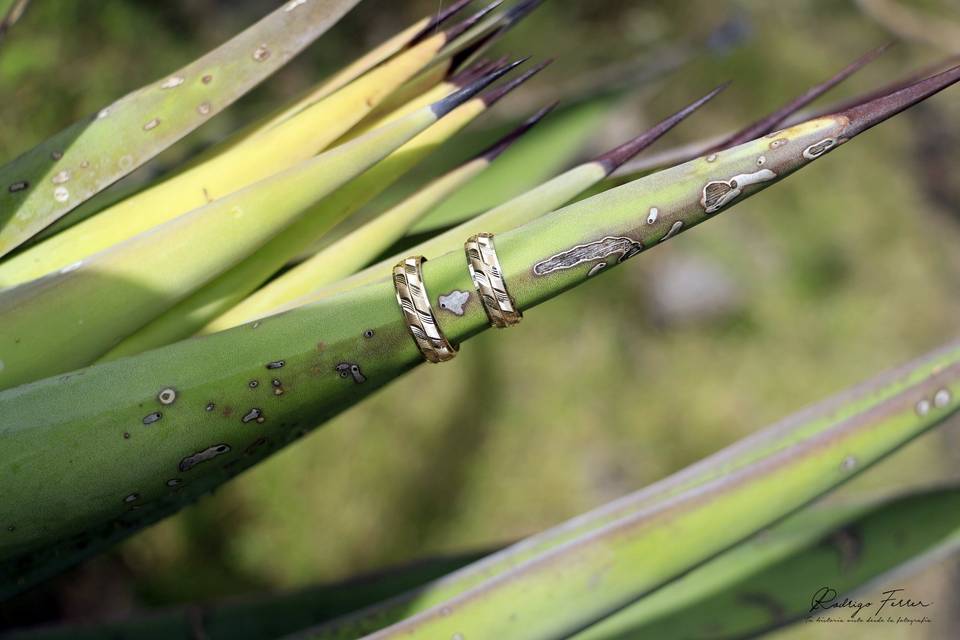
(488, 280)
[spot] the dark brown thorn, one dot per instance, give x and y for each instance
(872, 113)
(767, 124)
(459, 29)
(613, 159)
(493, 152)
(475, 48)
(468, 74)
(889, 88)
(493, 96)
(519, 12)
(441, 16)
(445, 105)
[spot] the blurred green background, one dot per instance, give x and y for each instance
(845, 269)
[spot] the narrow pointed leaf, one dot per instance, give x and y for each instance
(768, 123)
(791, 112)
(219, 296)
(46, 182)
(352, 252)
(528, 206)
(550, 595)
(269, 153)
(71, 317)
(769, 581)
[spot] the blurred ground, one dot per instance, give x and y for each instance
(845, 269)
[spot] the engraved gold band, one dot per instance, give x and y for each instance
(418, 313)
(488, 278)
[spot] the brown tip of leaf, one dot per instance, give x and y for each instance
(768, 123)
(458, 30)
(616, 157)
(519, 12)
(439, 18)
(496, 94)
(873, 112)
(446, 105)
(890, 88)
(491, 153)
(482, 43)
(468, 74)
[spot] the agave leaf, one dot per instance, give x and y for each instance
(258, 617)
(195, 413)
(810, 423)
(528, 206)
(324, 88)
(379, 54)
(46, 182)
(71, 317)
(769, 581)
(268, 153)
(377, 118)
(220, 295)
(565, 590)
(354, 250)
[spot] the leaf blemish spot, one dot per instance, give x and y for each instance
(171, 82)
(941, 399)
(202, 456)
(253, 415)
(261, 53)
(167, 396)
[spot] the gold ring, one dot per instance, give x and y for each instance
(488, 278)
(415, 305)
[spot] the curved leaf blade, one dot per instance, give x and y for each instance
(48, 181)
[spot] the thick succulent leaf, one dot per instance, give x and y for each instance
(590, 578)
(322, 89)
(73, 316)
(226, 291)
(266, 154)
(159, 429)
(54, 177)
(770, 580)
